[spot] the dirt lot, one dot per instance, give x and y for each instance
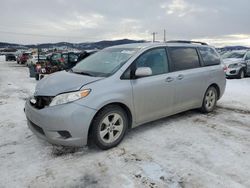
(186, 150)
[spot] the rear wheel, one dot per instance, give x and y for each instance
(109, 127)
(210, 100)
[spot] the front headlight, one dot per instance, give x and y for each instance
(235, 65)
(69, 97)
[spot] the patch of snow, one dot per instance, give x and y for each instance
(237, 94)
(2, 58)
(186, 150)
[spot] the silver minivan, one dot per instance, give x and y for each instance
(124, 86)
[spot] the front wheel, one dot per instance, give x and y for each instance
(210, 100)
(241, 74)
(109, 127)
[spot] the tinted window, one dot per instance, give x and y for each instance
(72, 57)
(184, 58)
(156, 59)
(209, 56)
(55, 56)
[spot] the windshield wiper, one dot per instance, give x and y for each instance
(83, 73)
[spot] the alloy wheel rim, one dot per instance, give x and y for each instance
(210, 99)
(111, 128)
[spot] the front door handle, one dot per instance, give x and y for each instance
(169, 79)
(180, 77)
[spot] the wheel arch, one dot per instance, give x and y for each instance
(120, 104)
(217, 89)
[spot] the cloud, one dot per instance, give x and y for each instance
(181, 8)
(84, 21)
(221, 41)
(34, 21)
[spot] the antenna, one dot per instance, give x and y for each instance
(164, 37)
(154, 34)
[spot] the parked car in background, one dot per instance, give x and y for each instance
(60, 61)
(34, 59)
(85, 54)
(22, 58)
(122, 87)
(10, 57)
(34, 63)
(237, 63)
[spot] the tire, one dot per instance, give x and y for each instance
(209, 100)
(241, 74)
(104, 125)
(37, 76)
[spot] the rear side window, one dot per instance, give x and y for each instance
(209, 56)
(184, 58)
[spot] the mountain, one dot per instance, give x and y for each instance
(230, 48)
(82, 46)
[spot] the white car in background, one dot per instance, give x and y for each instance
(237, 63)
(34, 59)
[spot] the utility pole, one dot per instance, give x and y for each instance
(154, 33)
(164, 37)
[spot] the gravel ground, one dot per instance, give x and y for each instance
(186, 150)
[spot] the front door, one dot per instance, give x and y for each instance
(153, 96)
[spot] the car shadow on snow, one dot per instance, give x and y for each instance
(60, 151)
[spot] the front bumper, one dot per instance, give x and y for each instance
(66, 124)
(232, 72)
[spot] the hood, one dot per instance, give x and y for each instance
(229, 61)
(62, 82)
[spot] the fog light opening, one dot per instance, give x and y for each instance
(64, 134)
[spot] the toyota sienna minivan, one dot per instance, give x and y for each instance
(121, 87)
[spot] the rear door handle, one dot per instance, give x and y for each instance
(180, 77)
(169, 79)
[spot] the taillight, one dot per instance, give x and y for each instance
(225, 68)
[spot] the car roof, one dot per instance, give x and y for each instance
(159, 44)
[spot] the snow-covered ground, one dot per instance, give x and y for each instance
(186, 150)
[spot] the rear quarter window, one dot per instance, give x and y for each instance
(184, 58)
(209, 56)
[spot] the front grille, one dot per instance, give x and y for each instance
(41, 101)
(37, 128)
(233, 72)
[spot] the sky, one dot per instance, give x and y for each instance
(218, 22)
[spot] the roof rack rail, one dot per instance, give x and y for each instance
(187, 42)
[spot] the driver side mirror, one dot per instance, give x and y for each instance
(143, 72)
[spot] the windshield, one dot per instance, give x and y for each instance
(105, 62)
(238, 55)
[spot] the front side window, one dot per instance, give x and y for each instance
(155, 59)
(209, 56)
(184, 58)
(248, 56)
